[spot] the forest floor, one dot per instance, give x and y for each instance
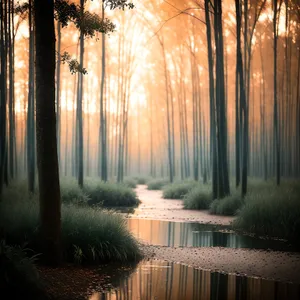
(75, 282)
(283, 266)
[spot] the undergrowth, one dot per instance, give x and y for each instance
(89, 234)
(19, 277)
(198, 198)
(157, 184)
(178, 190)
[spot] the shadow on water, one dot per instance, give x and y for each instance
(177, 234)
(170, 281)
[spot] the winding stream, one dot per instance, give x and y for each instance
(155, 279)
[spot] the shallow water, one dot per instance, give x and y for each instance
(179, 234)
(160, 280)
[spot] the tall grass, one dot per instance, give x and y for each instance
(71, 192)
(18, 275)
(178, 190)
(273, 211)
(142, 179)
(109, 194)
(227, 206)
(130, 182)
(106, 194)
(157, 184)
(198, 198)
(88, 234)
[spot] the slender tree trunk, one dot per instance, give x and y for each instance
(212, 103)
(79, 106)
(31, 109)
(102, 113)
(3, 52)
(276, 128)
(58, 63)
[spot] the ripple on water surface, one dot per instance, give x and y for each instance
(170, 281)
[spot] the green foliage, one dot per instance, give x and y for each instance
(157, 184)
(130, 182)
(18, 274)
(88, 234)
(227, 206)
(178, 190)
(273, 211)
(121, 4)
(142, 179)
(88, 23)
(71, 192)
(74, 65)
(95, 235)
(109, 194)
(200, 197)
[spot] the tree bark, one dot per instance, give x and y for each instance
(47, 160)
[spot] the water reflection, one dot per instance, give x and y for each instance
(176, 234)
(169, 281)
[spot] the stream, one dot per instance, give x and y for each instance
(164, 223)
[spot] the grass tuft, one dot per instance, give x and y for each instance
(130, 182)
(227, 206)
(142, 179)
(178, 190)
(88, 234)
(18, 274)
(157, 184)
(109, 194)
(71, 192)
(273, 211)
(198, 198)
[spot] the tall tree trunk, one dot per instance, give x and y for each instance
(212, 102)
(79, 106)
(58, 110)
(47, 160)
(11, 94)
(102, 112)
(276, 128)
(30, 110)
(3, 53)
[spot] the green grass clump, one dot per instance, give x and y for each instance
(71, 192)
(273, 212)
(227, 206)
(142, 179)
(198, 198)
(130, 182)
(109, 194)
(178, 190)
(157, 184)
(95, 235)
(88, 234)
(18, 274)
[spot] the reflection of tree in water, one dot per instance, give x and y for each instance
(171, 281)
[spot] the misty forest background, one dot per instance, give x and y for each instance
(199, 89)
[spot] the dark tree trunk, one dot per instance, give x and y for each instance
(3, 55)
(58, 63)
(47, 161)
(79, 107)
(212, 103)
(276, 128)
(102, 112)
(30, 111)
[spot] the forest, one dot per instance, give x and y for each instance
(150, 141)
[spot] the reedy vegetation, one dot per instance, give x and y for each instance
(18, 274)
(88, 234)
